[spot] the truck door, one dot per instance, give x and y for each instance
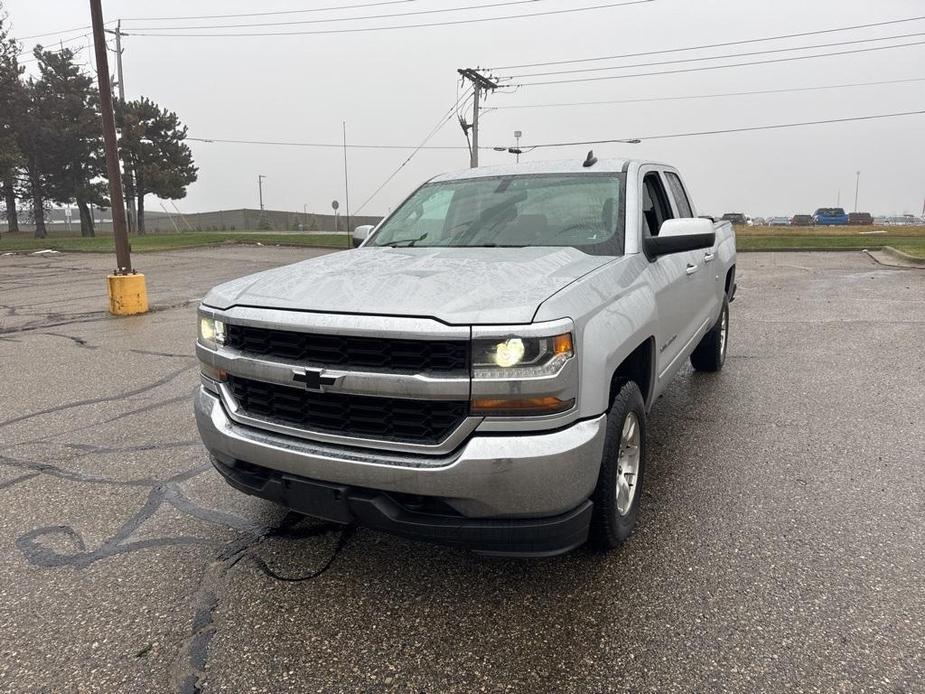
(671, 281)
(708, 285)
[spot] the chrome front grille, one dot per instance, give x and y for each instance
(347, 380)
(383, 418)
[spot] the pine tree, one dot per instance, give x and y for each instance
(12, 103)
(73, 144)
(151, 145)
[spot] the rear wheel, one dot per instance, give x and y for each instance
(619, 487)
(710, 354)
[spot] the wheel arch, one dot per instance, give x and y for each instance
(638, 366)
(730, 283)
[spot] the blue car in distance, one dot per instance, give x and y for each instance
(830, 216)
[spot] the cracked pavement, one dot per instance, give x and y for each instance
(781, 544)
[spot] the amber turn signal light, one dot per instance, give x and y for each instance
(523, 407)
(562, 344)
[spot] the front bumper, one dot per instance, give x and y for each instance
(490, 477)
(535, 537)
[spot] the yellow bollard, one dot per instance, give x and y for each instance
(128, 295)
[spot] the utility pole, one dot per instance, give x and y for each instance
(127, 292)
(129, 175)
(260, 178)
(480, 83)
(857, 187)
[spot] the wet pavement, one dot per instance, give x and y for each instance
(781, 545)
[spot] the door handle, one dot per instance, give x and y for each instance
(691, 269)
(710, 255)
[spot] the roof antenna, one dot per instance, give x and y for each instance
(591, 160)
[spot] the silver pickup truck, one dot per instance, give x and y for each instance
(478, 372)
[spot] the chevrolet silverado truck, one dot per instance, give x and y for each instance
(479, 371)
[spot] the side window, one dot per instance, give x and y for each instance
(655, 207)
(679, 194)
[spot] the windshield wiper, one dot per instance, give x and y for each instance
(406, 243)
(492, 245)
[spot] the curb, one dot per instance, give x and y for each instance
(143, 251)
(803, 249)
(892, 257)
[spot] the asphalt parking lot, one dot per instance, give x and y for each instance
(781, 545)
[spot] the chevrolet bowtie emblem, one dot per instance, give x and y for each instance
(314, 379)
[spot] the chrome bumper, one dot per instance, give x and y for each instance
(493, 476)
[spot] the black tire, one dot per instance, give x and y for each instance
(710, 354)
(609, 527)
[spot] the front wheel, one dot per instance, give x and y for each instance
(710, 354)
(619, 485)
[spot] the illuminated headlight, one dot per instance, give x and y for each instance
(517, 357)
(211, 332)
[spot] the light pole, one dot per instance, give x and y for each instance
(260, 178)
(517, 135)
(857, 187)
(346, 185)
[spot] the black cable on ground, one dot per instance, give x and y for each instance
(346, 534)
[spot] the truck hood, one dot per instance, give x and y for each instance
(454, 285)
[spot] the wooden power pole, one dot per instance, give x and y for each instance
(127, 292)
(480, 83)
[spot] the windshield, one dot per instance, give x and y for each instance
(581, 210)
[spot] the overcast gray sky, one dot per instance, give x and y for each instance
(392, 87)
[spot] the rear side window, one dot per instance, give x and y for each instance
(679, 194)
(655, 208)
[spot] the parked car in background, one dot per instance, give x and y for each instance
(906, 220)
(778, 222)
(801, 220)
(735, 218)
(830, 216)
(759, 221)
(860, 219)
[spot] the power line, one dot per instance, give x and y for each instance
(712, 45)
(444, 119)
(545, 13)
(778, 126)
(708, 96)
(51, 33)
(337, 145)
(72, 39)
(327, 20)
(719, 67)
(270, 13)
(60, 31)
(768, 51)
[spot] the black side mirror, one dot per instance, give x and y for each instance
(657, 246)
(679, 235)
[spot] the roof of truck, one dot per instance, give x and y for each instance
(538, 167)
